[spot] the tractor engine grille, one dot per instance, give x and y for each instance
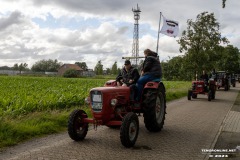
(194, 86)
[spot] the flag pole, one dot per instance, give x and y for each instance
(159, 31)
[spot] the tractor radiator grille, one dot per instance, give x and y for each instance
(96, 101)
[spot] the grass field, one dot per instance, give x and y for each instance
(23, 95)
(34, 106)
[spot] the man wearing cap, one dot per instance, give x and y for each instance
(128, 75)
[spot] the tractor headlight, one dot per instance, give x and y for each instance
(114, 102)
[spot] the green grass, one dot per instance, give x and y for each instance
(15, 130)
(176, 89)
(36, 106)
(23, 95)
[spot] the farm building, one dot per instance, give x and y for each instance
(66, 67)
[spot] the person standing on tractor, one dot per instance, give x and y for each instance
(128, 75)
(151, 70)
(204, 77)
(213, 75)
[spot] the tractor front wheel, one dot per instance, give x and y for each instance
(194, 95)
(77, 128)
(129, 129)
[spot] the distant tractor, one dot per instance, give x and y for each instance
(223, 80)
(202, 87)
(233, 80)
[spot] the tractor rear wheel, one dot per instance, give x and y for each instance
(213, 94)
(155, 109)
(77, 129)
(129, 129)
(226, 86)
(212, 88)
(189, 94)
(234, 84)
(209, 96)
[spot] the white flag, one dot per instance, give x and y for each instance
(170, 28)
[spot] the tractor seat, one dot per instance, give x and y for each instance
(156, 80)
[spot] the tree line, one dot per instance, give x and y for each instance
(53, 66)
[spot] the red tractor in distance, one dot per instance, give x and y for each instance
(223, 80)
(114, 107)
(201, 87)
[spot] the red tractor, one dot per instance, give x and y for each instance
(201, 87)
(114, 107)
(223, 80)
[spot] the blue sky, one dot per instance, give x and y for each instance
(89, 31)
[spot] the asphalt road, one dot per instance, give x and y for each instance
(190, 126)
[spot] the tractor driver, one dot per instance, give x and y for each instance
(128, 75)
(204, 77)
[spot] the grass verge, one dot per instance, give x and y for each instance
(37, 124)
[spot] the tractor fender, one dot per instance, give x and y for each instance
(155, 85)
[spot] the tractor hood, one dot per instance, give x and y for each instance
(101, 98)
(112, 90)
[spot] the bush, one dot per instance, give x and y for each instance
(71, 73)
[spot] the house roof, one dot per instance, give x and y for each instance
(72, 66)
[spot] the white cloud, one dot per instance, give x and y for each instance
(102, 31)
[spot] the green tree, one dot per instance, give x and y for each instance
(5, 68)
(114, 68)
(70, 73)
(82, 65)
(15, 67)
(173, 69)
(229, 59)
(21, 67)
(99, 68)
(201, 42)
(108, 71)
(119, 70)
(46, 66)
